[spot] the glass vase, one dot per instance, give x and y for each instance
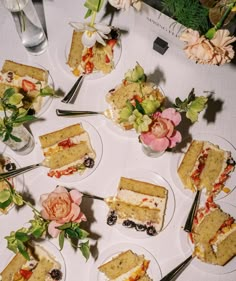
(27, 25)
(150, 152)
(26, 145)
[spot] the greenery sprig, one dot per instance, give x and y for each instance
(13, 114)
(18, 240)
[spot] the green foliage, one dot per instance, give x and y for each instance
(14, 115)
(192, 105)
(190, 13)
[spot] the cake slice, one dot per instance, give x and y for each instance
(67, 151)
(205, 165)
(41, 266)
(126, 266)
(214, 235)
(138, 204)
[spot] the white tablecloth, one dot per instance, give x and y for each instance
(175, 74)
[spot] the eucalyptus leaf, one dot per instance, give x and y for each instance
(61, 239)
(85, 249)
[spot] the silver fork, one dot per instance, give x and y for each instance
(107, 113)
(69, 96)
(19, 171)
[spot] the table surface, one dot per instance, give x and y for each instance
(121, 152)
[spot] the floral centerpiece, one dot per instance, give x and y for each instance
(60, 217)
(155, 123)
(207, 37)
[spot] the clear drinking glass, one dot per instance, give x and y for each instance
(28, 25)
(26, 144)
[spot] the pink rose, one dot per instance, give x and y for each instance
(202, 50)
(61, 206)
(162, 133)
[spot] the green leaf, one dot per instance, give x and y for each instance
(16, 139)
(15, 99)
(23, 237)
(47, 91)
(88, 13)
(71, 233)
(23, 250)
(81, 233)
(85, 249)
(139, 107)
(8, 93)
(38, 226)
(17, 199)
(5, 195)
(5, 204)
(94, 5)
(65, 226)
(26, 118)
(61, 239)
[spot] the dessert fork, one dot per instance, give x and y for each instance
(189, 222)
(19, 171)
(69, 96)
(107, 113)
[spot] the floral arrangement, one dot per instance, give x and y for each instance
(96, 32)
(155, 123)
(60, 217)
(207, 38)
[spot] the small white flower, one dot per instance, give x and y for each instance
(92, 34)
(125, 4)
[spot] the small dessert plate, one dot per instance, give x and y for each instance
(153, 271)
(150, 177)
(188, 247)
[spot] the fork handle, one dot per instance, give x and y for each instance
(19, 171)
(192, 212)
(70, 94)
(177, 270)
(61, 112)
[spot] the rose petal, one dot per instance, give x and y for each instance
(52, 230)
(160, 144)
(76, 196)
(172, 114)
(175, 138)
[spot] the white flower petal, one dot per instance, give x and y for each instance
(89, 39)
(79, 26)
(103, 28)
(100, 39)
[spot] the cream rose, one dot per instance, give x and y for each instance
(125, 4)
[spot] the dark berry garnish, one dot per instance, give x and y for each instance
(140, 227)
(89, 162)
(10, 166)
(114, 33)
(56, 274)
(151, 230)
(128, 223)
(111, 219)
(231, 161)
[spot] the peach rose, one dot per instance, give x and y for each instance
(61, 206)
(162, 133)
(202, 50)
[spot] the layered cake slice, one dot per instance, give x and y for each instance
(67, 151)
(214, 234)
(206, 165)
(26, 80)
(41, 266)
(126, 266)
(138, 205)
(97, 58)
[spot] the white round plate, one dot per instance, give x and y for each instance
(95, 139)
(98, 74)
(188, 247)
(17, 182)
(154, 178)
(7, 255)
(177, 157)
(153, 271)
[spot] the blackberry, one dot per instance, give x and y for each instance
(31, 111)
(56, 274)
(10, 166)
(140, 227)
(89, 162)
(128, 223)
(151, 231)
(111, 219)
